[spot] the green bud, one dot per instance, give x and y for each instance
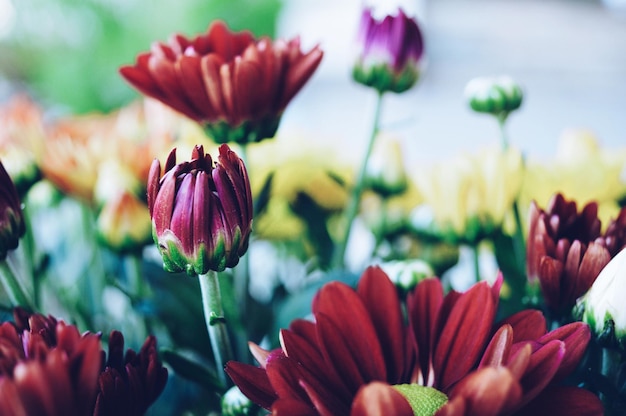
(494, 95)
(234, 403)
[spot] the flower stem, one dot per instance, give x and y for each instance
(519, 245)
(215, 322)
(136, 283)
(476, 261)
(355, 197)
(13, 288)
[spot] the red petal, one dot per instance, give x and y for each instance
(339, 305)
(497, 352)
(189, 72)
(543, 365)
(528, 324)
(594, 260)
(550, 271)
(565, 401)
(299, 73)
(210, 66)
(576, 336)
(464, 335)
(165, 76)
(253, 383)
(424, 306)
(380, 298)
(290, 407)
(380, 399)
(488, 391)
(285, 375)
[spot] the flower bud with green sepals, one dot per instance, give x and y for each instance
(12, 225)
(385, 173)
(603, 305)
(406, 274)
(201, 212)
(494, 95)
(235, 403)
(391, 51)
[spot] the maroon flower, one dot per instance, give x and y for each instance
(201, 213)
(48, 368)
(233, 84)
(390, 54)
(358, 354)
(11, 218)
(566, 250)
(129, 383)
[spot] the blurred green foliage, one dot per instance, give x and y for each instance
(68, 52)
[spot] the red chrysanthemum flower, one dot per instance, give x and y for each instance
(360, 357)
(231, 83)
(566, 250)
(48, 368)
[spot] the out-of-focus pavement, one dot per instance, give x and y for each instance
(569, 56)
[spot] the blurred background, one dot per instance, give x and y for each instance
(569, 55)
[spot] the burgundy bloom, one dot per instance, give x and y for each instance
(390, 52)
(201, 212)
(233, 84)
(11, 218)
(566, 250)
(48, 368)
(359, 350)
(129, 383)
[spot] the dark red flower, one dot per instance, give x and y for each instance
(233, 84)
(201, 212)
(566, 250)
(11, 218)
(48, 368)
(129, 383)
(359, 349)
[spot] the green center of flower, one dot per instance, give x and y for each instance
(424, 401)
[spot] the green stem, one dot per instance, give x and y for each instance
(94, 277)
(355, 197)
(504, 140)
(476, 261)
(31, 259)
(215, 322)
(13, 288)
(134, 276)
(519, 244)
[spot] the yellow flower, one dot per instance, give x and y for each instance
(124, 223)
(467, 197)
(385, 173)
(297, 166)
(582, 171)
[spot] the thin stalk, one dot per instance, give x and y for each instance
(519, 245)
(94, 277)
(13, 288)
(476, 261)
(215, 322)
(134, 276)
(355, 197)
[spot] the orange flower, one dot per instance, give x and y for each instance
(233, 84)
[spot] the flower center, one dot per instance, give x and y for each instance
(424, 401)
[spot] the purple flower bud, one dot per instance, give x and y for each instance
(390, 52)
(11, 218)
(201, 211)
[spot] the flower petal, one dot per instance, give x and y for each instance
(380, 399)
(380, 298)
(253, 383)
(562, 400)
